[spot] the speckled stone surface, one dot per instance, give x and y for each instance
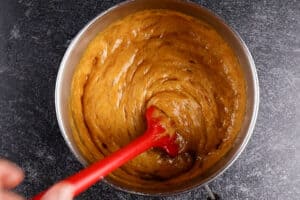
(33, 38)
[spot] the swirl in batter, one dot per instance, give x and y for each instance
(170, 60)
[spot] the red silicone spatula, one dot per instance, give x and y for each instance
(156, 135)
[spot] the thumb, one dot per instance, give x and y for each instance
(60, 191)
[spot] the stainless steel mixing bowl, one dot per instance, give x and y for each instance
(80, 42)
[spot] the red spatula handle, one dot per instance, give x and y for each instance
(151, 138)
(92, 174)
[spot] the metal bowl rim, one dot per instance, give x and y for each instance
(217, 173)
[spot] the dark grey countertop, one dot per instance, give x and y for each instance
(33, 38)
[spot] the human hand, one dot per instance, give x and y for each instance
(60, 191)
(11, 176)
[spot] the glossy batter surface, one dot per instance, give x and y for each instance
(163, 58)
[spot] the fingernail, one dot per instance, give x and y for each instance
(61, 191)
(64, 193)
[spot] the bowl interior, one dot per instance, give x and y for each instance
(80, 42)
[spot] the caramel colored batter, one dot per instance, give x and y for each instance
(170, 60)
